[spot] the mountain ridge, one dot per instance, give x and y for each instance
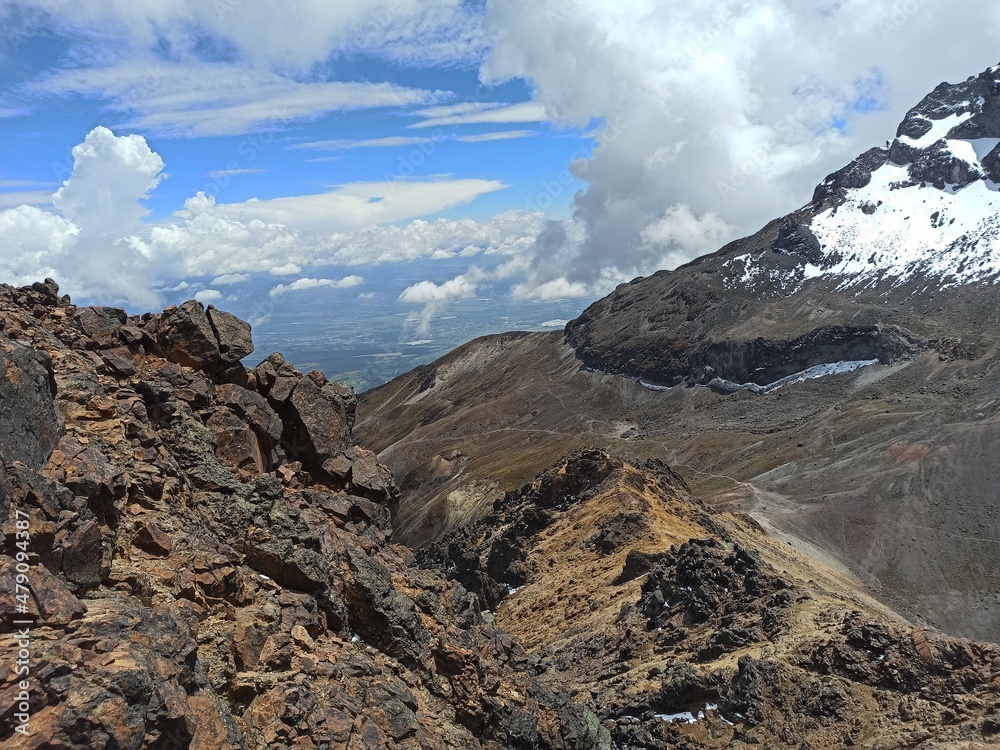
(882, 462)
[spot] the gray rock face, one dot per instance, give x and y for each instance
(939, 167)
(30, 425)
(102, 324)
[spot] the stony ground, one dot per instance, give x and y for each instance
(632, 593)
(210, 557)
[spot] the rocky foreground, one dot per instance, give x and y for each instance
(210, 566)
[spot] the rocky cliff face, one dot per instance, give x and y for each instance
(210, 562)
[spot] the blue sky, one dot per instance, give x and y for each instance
(534, 150)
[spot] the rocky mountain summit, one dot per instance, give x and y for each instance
(209, 557)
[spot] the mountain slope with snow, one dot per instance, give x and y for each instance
(743, 369)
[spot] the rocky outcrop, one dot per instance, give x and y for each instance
(211, 341)
(706, 643)
(194, 583)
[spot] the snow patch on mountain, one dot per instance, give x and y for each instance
(939, 129)
(895, 227)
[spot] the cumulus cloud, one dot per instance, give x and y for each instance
(208, 295)
(708, 131)
(307, 283)
(100, 204)
(434, 297)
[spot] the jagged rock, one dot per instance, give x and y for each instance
(379, 613)
(254, 410)
(940, 167)
(83, 555)
(120, 361)
(27, 409)
(149, 536)
(210, 342)
(102, 325)
(857, 174)
(320, 417)
(232, 335)
(237, 446)
(638, 564)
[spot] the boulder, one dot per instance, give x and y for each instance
(210, 341)
(320, 417)
(102, 325)
(254, 410)
(27, 407)
(232, 334)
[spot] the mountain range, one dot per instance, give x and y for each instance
(750, 502)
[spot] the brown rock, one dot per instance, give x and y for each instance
(322, 416)
(120, 361)
(82, 556)
(232, 335)
(254, 410)
(237, 447)
(102, 324)
(151, 538)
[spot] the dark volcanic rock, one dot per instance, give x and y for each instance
(211, 342)
(184, 597)
(27, 408)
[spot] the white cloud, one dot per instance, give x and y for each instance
(343, 145)
(427, 291)
(288, 269)
(233, 172)
(12, 198)
(361, 204)
(100, 204)
(494, 115)
(36, 244)
(306, 283)
(434, 297)
(698, 98)
(505, 135)
(506, 234)
(207, 99)
(207, 296)
(9, 184)
(111, 174)
(230, 278)
(293, 36)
